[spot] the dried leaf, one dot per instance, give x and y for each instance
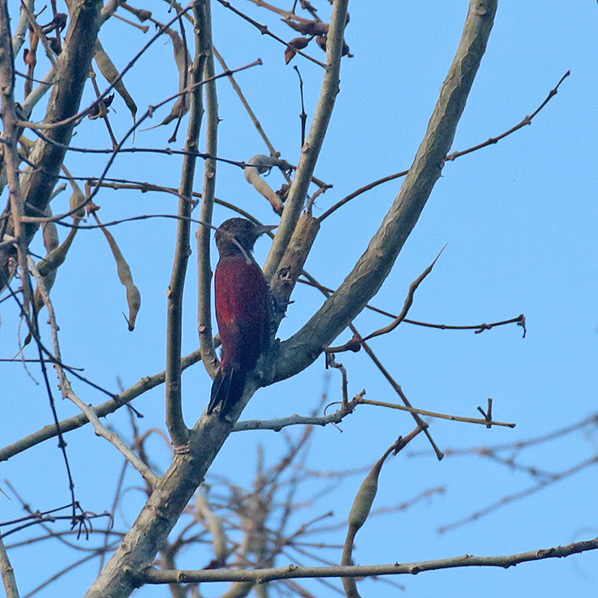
(77, 198)
(29, 57)
(38, 300)
(365, 498)
(58, 22)
(55, 45)
(125, 276)
(143, 15)
(181, 57)
(308, 27)
(283, 192)
(183, 60)
(50, 235)
(56, 254)
(295, 44)
(111, 73)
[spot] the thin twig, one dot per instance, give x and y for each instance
(303, 115)
(526, 121)
(174, 411)
(386, 374)
(72, 423)
(68, 393)
(397, 388)
(519, 445)
(355, 343)
(509, 499)
(477, 328)
(112, 85)
(131, 150)
(250, 112)
(294, 420)
(102, 431)
(288, 14)
(424, 412)
(147, 114)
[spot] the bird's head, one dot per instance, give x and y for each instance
(239, 235)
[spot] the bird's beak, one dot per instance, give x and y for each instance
(264, 228)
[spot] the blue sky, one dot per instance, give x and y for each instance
(519, 219)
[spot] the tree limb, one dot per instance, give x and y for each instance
(315, 139)
(204, 316)
(174, 412)
(71, 74)
(375, 264)
(72, 423)
(156, 576)
(8, 573)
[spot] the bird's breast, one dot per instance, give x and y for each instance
(243, 310)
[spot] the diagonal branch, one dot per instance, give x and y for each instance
(72, 72)
(375, 264)
(8, 573)
(315, 139)
(355, 343)
(102, 410)
(161, 512)
(527, 120)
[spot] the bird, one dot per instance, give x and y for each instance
(244, 310)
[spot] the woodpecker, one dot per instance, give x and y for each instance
(243, 310)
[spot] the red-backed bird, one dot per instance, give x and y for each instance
(243, 310)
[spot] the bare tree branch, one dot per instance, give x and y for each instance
(156, 576)
(373, 267)
(174, 412)
(8, 573)
(204, 316)
(110, 406)
(72, 72)
(159, 515)
(527, 120)
(315, 139)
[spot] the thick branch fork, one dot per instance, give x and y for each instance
(161, 576)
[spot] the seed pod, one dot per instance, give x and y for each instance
(295, 44)
(125, 276)
(56, 257)
(365, 497)
(111, 73)
(183, 62)
(308, 27)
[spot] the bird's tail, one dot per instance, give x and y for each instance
(227, 390)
